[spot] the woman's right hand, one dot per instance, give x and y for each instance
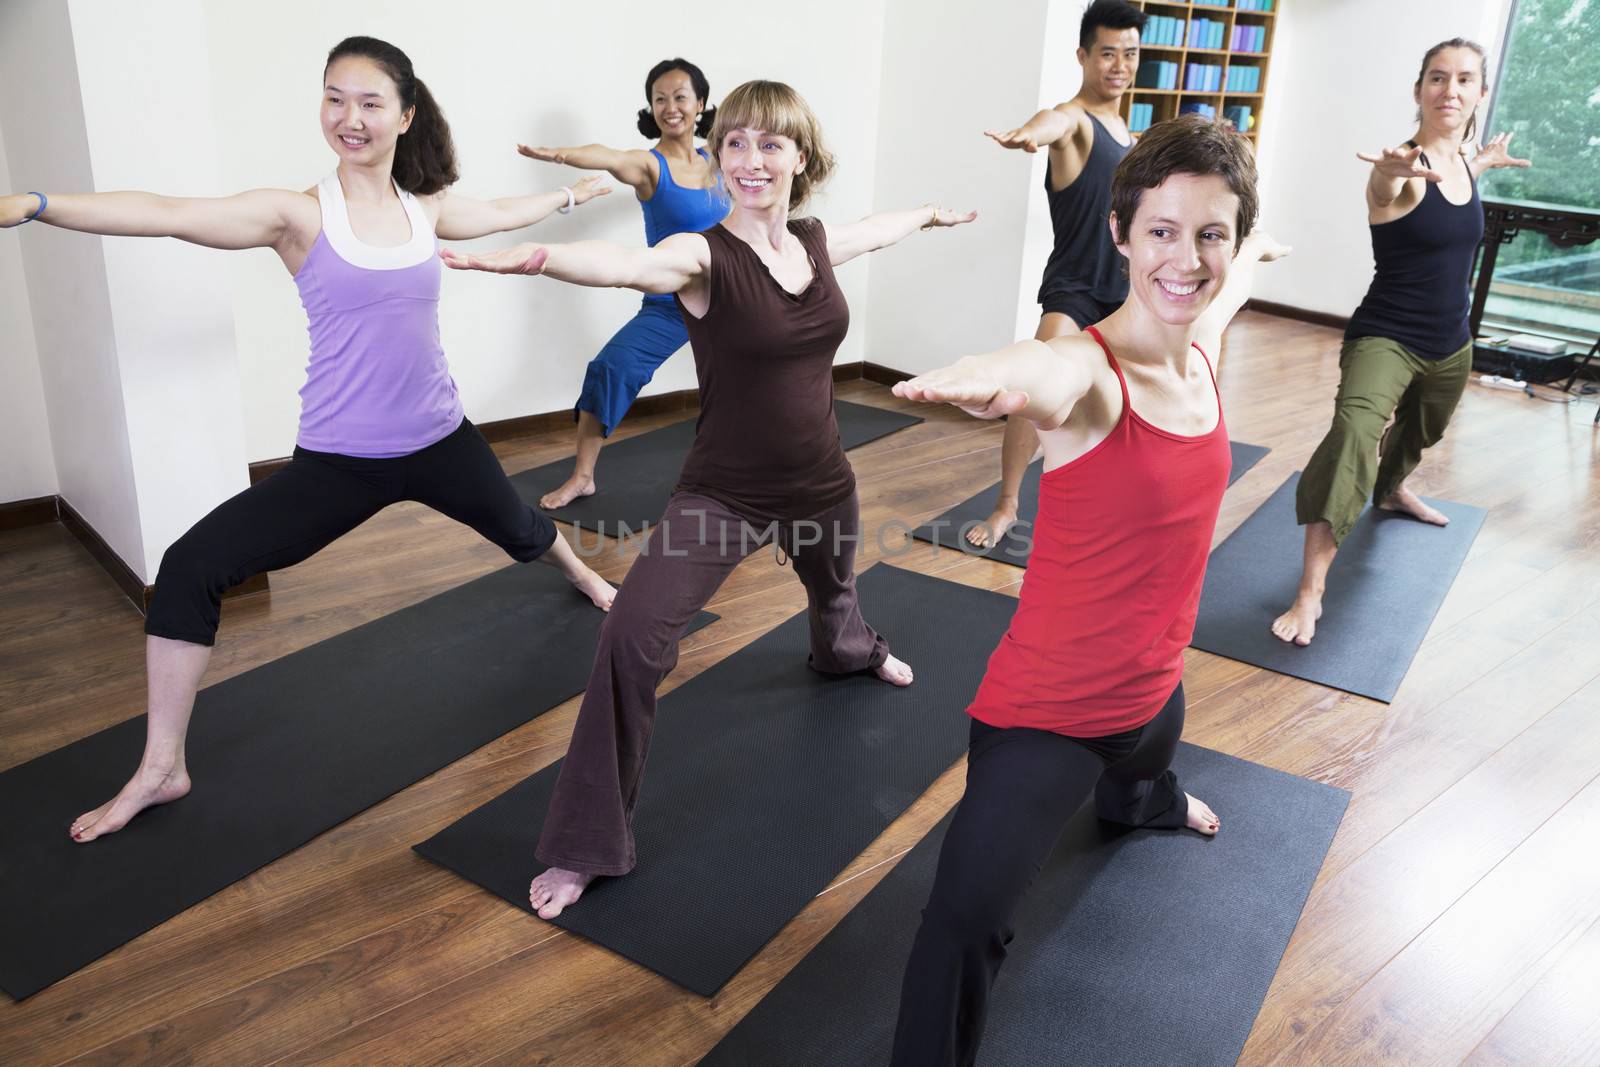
(1401, 163)
(527, 258)
(545, 155)
(15, 209)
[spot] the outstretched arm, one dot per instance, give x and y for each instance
(1259, 247)
(1031, 379)
(1041, 131)
(257, 219)
(1391, 169)
(667, 268)
(461, 218)
(882, 230)
(630, 166)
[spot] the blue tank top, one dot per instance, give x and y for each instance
(676, 209)
(1420, 295)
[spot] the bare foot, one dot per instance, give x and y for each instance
(555, 890)
(894, 671)
(993, 528)
(1201, 818)
(570, 490)
(1406, 502)
(145, 790)
(596, 588)
(1299, 623)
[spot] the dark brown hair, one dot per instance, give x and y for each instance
(1483, 76)
(1188, 144)
(425, 156)
(702, 89)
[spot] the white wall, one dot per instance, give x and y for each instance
(66, 276)
(545, 73)
(142, 70)
(1060, 78)
(1326, 103)
(27, 462)
(947, 76)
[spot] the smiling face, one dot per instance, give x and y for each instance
(1180, 246)
(759, 167)
(1450, 90)
(1109, 66)
(361, 113)
(674, 104)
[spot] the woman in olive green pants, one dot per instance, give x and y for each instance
(1408, 349)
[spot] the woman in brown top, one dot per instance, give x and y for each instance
(765, 317)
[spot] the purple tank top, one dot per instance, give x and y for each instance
(377, 385)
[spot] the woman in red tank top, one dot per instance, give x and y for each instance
(1084, 693)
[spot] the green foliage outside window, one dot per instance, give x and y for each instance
(1548, 96)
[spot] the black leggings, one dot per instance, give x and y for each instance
(1022, 787)
(319, 497)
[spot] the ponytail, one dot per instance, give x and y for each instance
(425, 156)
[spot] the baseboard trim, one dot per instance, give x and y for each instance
(1289, 311)
(40, 510)
(131, 584)
(16, 514)
(874, 372)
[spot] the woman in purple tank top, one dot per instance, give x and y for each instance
(380, 419)
(765, 317)
(679, 191)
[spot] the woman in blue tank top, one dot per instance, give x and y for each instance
(1408, 351)
(680, 191)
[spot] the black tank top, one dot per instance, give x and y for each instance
(1084, 259)
(1419, 295)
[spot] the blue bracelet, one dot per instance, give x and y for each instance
(43, 200)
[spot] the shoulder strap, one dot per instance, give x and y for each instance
(1115, 367)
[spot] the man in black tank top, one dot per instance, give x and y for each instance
(1084, 279)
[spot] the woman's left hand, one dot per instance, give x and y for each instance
(588, 188)
(1496, 153)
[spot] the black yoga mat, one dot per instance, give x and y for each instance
(1133, 947)
(279, 754)
(1384, 588)
(636, 475)
(765, 780)
(949, 530)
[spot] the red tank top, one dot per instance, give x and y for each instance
(1113, 583)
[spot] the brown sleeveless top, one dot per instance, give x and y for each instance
(767, 443)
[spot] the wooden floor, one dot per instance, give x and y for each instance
(1457, 918)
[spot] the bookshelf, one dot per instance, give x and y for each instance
(1231, 77)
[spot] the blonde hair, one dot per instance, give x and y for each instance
(774, 107)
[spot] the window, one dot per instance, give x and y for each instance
(1548, 96)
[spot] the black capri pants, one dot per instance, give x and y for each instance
(1022, 787)
(319, 497)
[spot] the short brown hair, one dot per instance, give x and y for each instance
(1188, 144)
(776, 108)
